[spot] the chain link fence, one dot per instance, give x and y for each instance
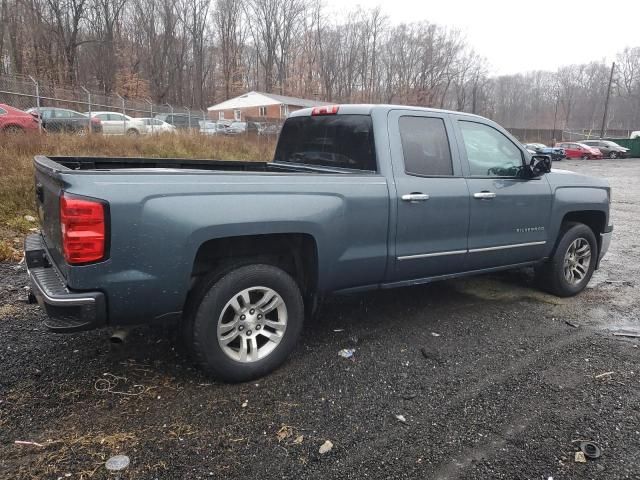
(25, 93)
(550, 136)
(591, 134)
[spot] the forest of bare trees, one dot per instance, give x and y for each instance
(198, 52)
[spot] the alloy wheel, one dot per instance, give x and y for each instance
(252, 324)
(577, 260)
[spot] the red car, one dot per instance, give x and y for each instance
(579, 150)
(13, 120)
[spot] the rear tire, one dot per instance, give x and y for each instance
(132, 132)
(570, 268)
(244, 324)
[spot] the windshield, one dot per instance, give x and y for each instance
(344, 141)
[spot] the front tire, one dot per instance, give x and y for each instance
(613, 155)
(245, 323)
(570, 268)
(585, 157)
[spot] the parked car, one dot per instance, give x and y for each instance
(114, 123)
(156, 126)
(270, 129)
(236, 128)
(556, 153)
(13, 120)
(181, 121)
(579, 150)
(608, 148)
(236, 252)
(64, 120)
(212, 128)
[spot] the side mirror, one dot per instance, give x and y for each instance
(539, 165)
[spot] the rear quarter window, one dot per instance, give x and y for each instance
(344, 141)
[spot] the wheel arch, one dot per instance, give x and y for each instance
(295, 253)
(9, 126)
(596, 220)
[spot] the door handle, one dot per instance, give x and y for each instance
(415, 197)
(484, 195)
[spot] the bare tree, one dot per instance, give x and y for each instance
(104, 21)
(66, 17)
(227, 19)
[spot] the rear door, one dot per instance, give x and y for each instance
(65, 120)
(117, 123)
(53, 123)
(432, 198)
(509, 212)
(105, 122)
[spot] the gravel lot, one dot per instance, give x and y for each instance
(490, 377)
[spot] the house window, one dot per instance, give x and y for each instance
(284, 111)
(262, 111)
(237, 115)
(220, 115)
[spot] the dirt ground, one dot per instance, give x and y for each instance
(494, 379)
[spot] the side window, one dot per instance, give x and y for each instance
(116, 117)
(425, 146)
(46, 114)
(490, 153)
(103, 116)
(3, 111)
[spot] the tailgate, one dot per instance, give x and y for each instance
(48, 188)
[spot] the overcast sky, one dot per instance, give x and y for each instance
(517, 36)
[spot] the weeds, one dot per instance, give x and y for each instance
(16, 165)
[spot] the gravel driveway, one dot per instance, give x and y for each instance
(493, 379)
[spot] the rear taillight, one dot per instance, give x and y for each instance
(83, 229)
(326, 110)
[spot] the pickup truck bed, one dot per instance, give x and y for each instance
(357, 197)
(172, 165)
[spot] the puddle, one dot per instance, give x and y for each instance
(492, 288)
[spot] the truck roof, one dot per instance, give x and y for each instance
(368, 109)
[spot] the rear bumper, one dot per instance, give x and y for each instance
(68, 311)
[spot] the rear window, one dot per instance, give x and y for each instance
(344, 141)
(425, 146)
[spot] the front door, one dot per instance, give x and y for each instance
(509, 213)
(432, 198)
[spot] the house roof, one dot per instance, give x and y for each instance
(260, 99)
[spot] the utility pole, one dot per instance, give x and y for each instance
(606, 102)
(555, 117)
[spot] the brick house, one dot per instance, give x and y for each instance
(259, 106)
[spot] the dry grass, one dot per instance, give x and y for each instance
(16, 167)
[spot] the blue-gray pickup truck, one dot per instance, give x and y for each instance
(357, 197)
